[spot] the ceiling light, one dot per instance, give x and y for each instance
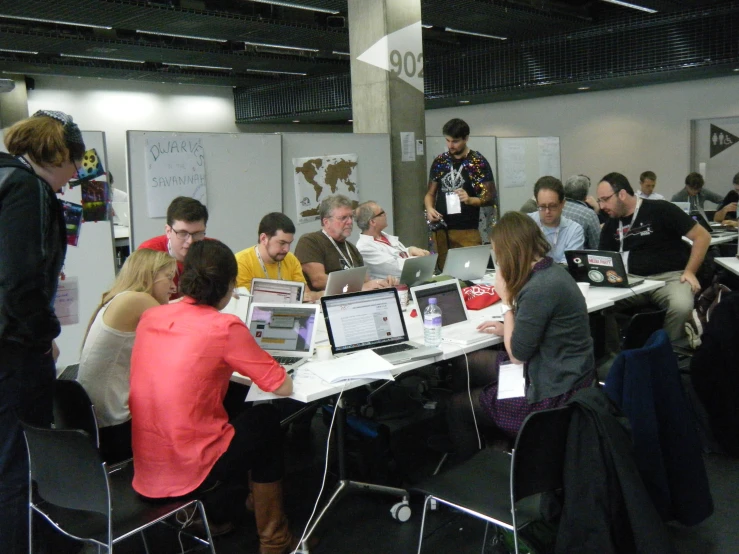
(198, 66)
(350, 120)
(191, 37)
(296, 121)
(17, 51)
(630, 5)
(280, 46)
(449, 29)
(56, 22)
(296, 6)
(583, 88)
(426, 26)
(737, 69)
(464, 101)
(101, 58)
(338, 53)
(274, 72)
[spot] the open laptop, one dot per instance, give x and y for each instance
(276, 291)
(418, 270)
(371, 320)
(684, 206)
(285, 331)
(346, 280)
(456, 326)
(467, 263)
(715, 229)
(600, 268)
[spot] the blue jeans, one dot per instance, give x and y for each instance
(26, 391)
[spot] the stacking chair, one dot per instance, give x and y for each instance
(499, 487)
(640, 327)
(73, 409)
(77, 495)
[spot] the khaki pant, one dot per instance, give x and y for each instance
(454, 238)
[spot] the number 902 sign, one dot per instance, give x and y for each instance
(407, 63)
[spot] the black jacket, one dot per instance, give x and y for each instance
(33, 244)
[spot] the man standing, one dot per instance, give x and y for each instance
(186, 222)
(649, 235)
(328, 250)
(271, 257)
(647, 182)
(460, 182)
(561, 233)
(695, 194)
(576, 191)
(383, 254)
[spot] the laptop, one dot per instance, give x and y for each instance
(467, 263)
(684, 206)
(371, 320)
(715, 229)
(600, 268)
(346, 280)
(456, 326)
(276, 291)
(286, 331)
(418, 270)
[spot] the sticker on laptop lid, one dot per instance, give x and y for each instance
(613, 277)
(605, 261)
(595, 276)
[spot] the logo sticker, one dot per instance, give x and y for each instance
(613, 277)
(595, 276)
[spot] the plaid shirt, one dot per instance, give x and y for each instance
(581, 213)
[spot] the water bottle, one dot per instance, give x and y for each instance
(432, 324)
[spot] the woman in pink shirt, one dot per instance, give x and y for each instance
(183, 443)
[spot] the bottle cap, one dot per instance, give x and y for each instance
(432, 300)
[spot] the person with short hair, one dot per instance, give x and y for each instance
(271, 258)
(183, 442)
(460, 182)
(561, 232)
(695, 193)
(726, 212)
(383, 253)
(187, 219)
(647, 182)
(328, 250)
(577, 209)
(45, 151)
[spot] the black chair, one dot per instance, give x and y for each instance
(640, 327)
(500, 488)
(73, 409)
(77, 495)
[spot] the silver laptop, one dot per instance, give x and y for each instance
(276, 291)
(418, 270)
(286, 331)
(467, 263)
(346, 280)
(456, 326)
(371, 320)
(684, 206)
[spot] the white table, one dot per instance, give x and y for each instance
(718, 239)
(732, 264)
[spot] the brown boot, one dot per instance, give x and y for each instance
(274, 534)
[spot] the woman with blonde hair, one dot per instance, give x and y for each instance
(546, 329)
(145, 280)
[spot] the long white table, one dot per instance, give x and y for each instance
(723, 238)
(732, 264)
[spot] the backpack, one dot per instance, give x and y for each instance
(704, 306)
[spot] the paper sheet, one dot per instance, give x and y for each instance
(364, 364)
(511, 383)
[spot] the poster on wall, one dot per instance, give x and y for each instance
(67, 301)
(175, 166)
(321, 176)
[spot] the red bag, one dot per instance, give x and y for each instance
(478, 297)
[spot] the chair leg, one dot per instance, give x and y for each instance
(423, 522)
(485, 536)
(201, 509)
(143, 539)
(441, 463)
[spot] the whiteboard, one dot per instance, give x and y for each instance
(521, 161)
(243, 178)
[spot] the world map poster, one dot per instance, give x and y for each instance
(319, 177)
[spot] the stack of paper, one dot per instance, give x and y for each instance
(365, 364)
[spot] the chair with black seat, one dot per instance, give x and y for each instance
(73, 409)
(502, 488)
(640, 327)
(77, 495)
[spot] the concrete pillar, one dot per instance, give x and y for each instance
(383, 103)
(14, 104)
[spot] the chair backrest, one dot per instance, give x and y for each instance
(67, 468)
(538, 455)
(73, 409)
(640, 328)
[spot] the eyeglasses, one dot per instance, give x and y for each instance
(378, 215)
(548, 207)
(605, 198)
(343, 219)
(184, 235)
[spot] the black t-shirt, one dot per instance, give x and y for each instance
(654, 241)
(732, 196)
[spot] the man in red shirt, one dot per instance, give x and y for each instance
(186, 222)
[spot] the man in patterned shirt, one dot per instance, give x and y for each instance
(576, 209)
(460, 182)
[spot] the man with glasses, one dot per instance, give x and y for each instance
(328, 250)
(649, 234)
(186, 222)
(561, 233)
(383, 254)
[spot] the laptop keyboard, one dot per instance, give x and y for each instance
(287, 360)
(392, 349)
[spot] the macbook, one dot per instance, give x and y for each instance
(600, 268)
(418, 270)
(715, 229)
(371, 320)
(346, 280)
(286, 331)
(684, 206)
(276, 291)
(467, 263)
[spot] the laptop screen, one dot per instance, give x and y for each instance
(275, 291)
(448, 299)
(288, 328)
(363, 320)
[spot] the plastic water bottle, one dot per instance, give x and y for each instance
(432, 324)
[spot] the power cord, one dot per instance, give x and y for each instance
(469, 394)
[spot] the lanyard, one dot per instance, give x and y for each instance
(384, 240)
(350, 261)
(621, 236)
(266, 275)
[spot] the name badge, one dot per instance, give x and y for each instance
(511, 382)
(453, 204)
